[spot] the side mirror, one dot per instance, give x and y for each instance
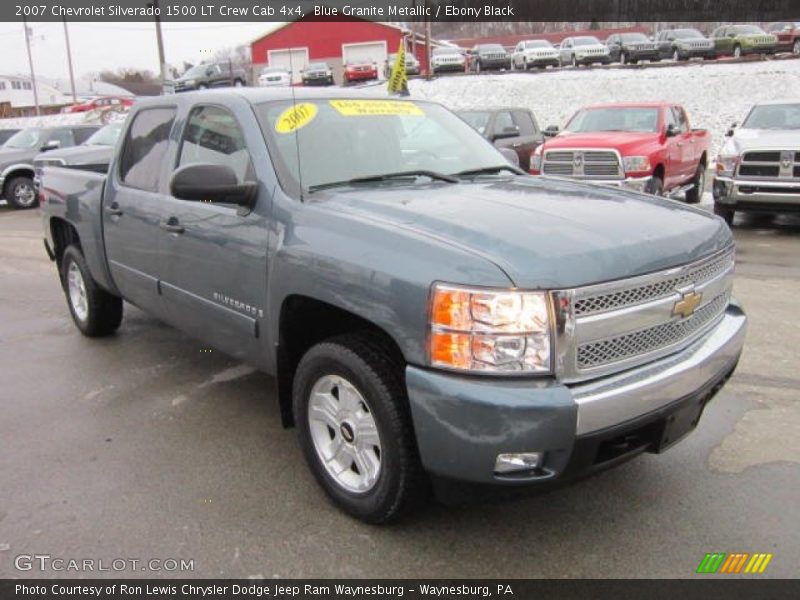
(671, 131)
(729, 133)
(551, 131)
(211, 183)
(507, 132)
(511, 156)
(51, 145)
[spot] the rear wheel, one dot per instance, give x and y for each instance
(95, 312)
(623, 59)
(355, 429)
(726, 213)
(694, 195)
(238, 83)
(202, 86)
(737, 51)
(574, 61)
(796, 46)
(20, 193)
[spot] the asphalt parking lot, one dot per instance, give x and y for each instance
(143, 445)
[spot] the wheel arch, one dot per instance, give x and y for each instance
(305, 321)
(64, 234)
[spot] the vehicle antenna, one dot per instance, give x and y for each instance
(297, 129)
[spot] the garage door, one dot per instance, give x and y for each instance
(366, 52)
(294, 59)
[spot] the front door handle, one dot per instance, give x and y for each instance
(171, 225)
(113, 209)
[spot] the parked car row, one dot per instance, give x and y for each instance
(652, 148)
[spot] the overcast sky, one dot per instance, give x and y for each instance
(100, 46)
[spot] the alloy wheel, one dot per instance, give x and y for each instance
(345, 434)
(77, 292)
(24, 195)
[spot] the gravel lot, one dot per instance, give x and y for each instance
(144, 446)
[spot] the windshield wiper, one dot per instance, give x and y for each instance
(490, 171)
(386, 177)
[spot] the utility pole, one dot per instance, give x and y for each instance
(30, 64)
(162, 63)
(69, 62)
(429, 73)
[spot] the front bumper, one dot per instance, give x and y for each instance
(604, 59)
(360, 75)
(454, 66)
(463, 423)
(538, 61)
(742, 194)
(499, 63)
(644, 54)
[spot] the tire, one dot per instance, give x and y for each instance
(694, 195)
(796, 47)
(95, 312)
(238, 83)
(655, 186)
(737, 51)
(20, 193)
(726, 213)
(574, 61)
(623, 58)
(356, 362)
(478, 67)
(202, 86)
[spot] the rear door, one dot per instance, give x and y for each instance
(133, 207)
(214, 283)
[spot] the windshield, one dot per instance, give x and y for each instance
(746, 29)
(538, 44)
(27, 138)
(643, 119)
(585, 41)
(198, 71)
(634, 37)
(774, 116)
(323, 141)
(687, 34)
(478, 120)
(107, 136)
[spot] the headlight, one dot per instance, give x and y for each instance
(636, 164)
(489, 331)
(536, 161)
(190, 81)
(726, 164)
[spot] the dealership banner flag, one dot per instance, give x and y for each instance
(398, 80)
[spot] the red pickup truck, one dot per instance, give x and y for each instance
(648, 147)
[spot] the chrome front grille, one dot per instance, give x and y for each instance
(648, 340)
(584, 164)
(770, 164)
(651, 291)
(606, 328)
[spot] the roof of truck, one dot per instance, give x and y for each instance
(256, 95)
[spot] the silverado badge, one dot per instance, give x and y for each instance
(688, 303)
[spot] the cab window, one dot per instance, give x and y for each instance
(213, 136)
(145, 148)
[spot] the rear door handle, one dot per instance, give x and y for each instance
(114, 209)
(171, 225)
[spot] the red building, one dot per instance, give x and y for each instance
(334, 41)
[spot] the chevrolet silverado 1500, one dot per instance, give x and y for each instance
(431, 313)
(647, 147)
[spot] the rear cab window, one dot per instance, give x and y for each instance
(145, 148)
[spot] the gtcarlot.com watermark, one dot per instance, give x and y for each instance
(49, 563)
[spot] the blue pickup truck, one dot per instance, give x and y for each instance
(435, 318)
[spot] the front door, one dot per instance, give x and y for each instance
(131, 219)
(214, 285)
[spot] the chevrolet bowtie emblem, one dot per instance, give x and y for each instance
(687, 304)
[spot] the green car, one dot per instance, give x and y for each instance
(738, 40)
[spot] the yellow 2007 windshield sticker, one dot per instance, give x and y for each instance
(363, 108)
(296, 117)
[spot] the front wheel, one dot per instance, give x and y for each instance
(351, 411)
(726, 213)
(694, 195)
(737, 51)
(655, 186)
(238, 83)
(796, 47)
(20, 193)
(574, 61)
(95, 312)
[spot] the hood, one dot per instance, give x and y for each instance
(10, 156)
(763, 139)
(623, 141)
(78, 155)
(545, 233)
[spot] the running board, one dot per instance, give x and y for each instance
(681, 190)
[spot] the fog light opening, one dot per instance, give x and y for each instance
(517, 462)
